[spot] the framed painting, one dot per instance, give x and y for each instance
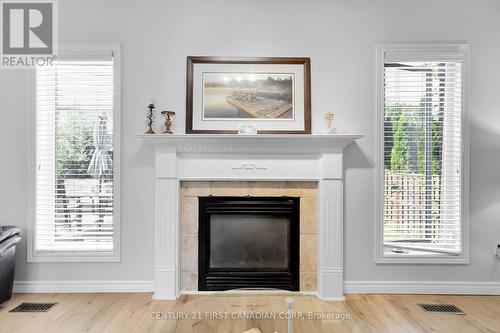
(271, 94)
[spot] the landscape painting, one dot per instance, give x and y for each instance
(258, 96)
(266, 95)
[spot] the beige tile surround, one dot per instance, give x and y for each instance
(191, 190)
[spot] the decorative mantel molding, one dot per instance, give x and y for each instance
(270, 144)
(249, 166)
(260, 157)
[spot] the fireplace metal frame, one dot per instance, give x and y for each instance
(210, 279)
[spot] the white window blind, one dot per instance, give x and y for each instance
(422, 148)
(74, 154)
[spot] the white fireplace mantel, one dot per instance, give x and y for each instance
(260, 158)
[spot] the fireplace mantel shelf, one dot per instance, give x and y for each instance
(246, 143)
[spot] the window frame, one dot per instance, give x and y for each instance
(419, 49)
(75, 256)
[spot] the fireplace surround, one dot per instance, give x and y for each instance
(262, 158)
(191, 191)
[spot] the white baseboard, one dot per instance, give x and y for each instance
(422, 287)
(350, 287)
(82, 286)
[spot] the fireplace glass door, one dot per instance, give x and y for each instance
(249, 241)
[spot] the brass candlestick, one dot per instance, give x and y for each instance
(168, 121)
(150, 119)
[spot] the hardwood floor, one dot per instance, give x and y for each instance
(137, 312)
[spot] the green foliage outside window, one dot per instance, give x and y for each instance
(74, 142)
(408, 129)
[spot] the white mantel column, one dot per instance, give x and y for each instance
(166, 224)
(330, 228)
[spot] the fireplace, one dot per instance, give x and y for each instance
(252, 159)
(248, 242)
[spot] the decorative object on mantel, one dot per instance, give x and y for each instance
(150, 117)
(223, 93)
(247, 129)
(168, 121)
(329, 128)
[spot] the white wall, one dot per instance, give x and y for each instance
(339, 36)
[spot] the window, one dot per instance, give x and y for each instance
(76, 157)
(423, 154)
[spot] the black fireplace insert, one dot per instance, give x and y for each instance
(248, 242)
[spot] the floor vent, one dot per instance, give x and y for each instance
(33, 307)
(441, 308)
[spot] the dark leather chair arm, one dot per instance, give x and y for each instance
(9, 236)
